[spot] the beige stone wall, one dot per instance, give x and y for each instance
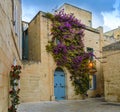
(111, 36)
(112, 75)
(37, 82)
(34, 44)
(83, 15)
(108, 40)
(115, 33)
(93, 40)
(8, 50)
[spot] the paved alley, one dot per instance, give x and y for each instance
(87, 105)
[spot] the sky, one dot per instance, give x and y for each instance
(105, 13)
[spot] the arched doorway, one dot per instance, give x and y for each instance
(59, 84)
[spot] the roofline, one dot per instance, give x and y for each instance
(112, 30)
(86, 27)
(75, 7)
(57, 9)
(36, 16)
(92, 29)
(25, 22)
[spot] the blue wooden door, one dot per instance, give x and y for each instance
(59, 85)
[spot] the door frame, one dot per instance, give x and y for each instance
(64, 82)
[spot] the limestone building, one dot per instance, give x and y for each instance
(114, 33)
(111, 36)
(111, 53)
(111, 70)
(10, 45)
(40, 75)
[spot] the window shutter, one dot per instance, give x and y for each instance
(94, 81)
(15, 20)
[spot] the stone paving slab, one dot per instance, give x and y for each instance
(87, 105)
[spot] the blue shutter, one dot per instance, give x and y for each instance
(94, 81)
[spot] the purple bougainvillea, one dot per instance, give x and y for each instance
(69, 52)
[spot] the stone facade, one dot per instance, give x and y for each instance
(10, 46)
(107, 40)
(83, 15)
(92, 39)
(38, 75)
(111, 36)
(114, 33)
(111, 70)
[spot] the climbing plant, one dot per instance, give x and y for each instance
(14, 89)
(67, 48)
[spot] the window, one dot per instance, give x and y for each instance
(90, 50)
(92, 81)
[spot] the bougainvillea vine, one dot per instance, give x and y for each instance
(67, 48)
(14, 87)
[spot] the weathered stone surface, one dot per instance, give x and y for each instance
(111, 71)
(8, 48)
(111, 36)
(112, 47)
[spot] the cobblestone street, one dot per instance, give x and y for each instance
(88, 105)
